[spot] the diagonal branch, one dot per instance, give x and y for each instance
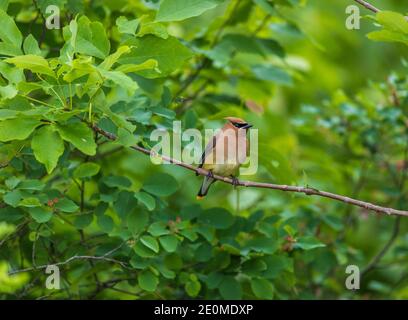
(373, 263)
(306, 190)
(368, 6)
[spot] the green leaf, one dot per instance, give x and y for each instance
(308, 243)
(147, 65)
(143, 251)
(266, 6)
(158, 228)
(66, 205)
(161, 185)
(8, 92)
(9, 49)
(253, 267)
(30, 46)
(176, 10)
(12, 198)
(125, 138)
(225, 50)
(86, 170)
(30, 202)
(80, 135)
(262, 288)
(388, 36)
(147, 280)
(137, 221)
(213, 280)
(164, 112)
(12, 182)
(8, 114)
(230, 288)
(169, 53)
(31, 184)
(127, 26)
(117, 182)
(204, 252)
(47, 146)
(34, 63)
(276, 264)
(9, 32)
(263, 244)
(40, 214)
(146, 199)
(17, 129)
(153, 28)
(10, 214)
(90, 38)
(121, 79)
(105, 223)
(124, 203)
(113, 58)
(193, 288)
(82, 221)
(169, 243)
(218, 218)
(168, 274)
(395, 28)
(271, 73)
(393, 21)
(150, 242)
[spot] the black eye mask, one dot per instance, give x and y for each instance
(241, 125)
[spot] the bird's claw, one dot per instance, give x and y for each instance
(210, 174)
(235, 181)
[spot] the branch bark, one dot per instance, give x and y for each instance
(368, 6)
(305, 190)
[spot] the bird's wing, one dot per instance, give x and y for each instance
(208, 149)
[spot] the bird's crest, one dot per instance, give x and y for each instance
(235, 120)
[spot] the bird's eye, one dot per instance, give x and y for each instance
(239, 125)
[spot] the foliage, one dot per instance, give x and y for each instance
(130, 67)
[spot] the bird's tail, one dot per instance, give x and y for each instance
(205, 186)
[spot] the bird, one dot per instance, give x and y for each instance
(224, 153)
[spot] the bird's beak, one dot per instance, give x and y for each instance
(247, 126)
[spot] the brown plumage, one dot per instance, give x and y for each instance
(225, 152)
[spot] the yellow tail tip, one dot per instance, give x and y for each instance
(199, 197)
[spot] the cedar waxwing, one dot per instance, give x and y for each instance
(225, 152)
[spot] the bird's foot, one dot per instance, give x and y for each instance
(210, 174)
(235, 181)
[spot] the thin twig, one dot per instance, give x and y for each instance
(377, 258)
(98, 258)
(104, 257)
(306, 190)
(368, 6)
(385, 249)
